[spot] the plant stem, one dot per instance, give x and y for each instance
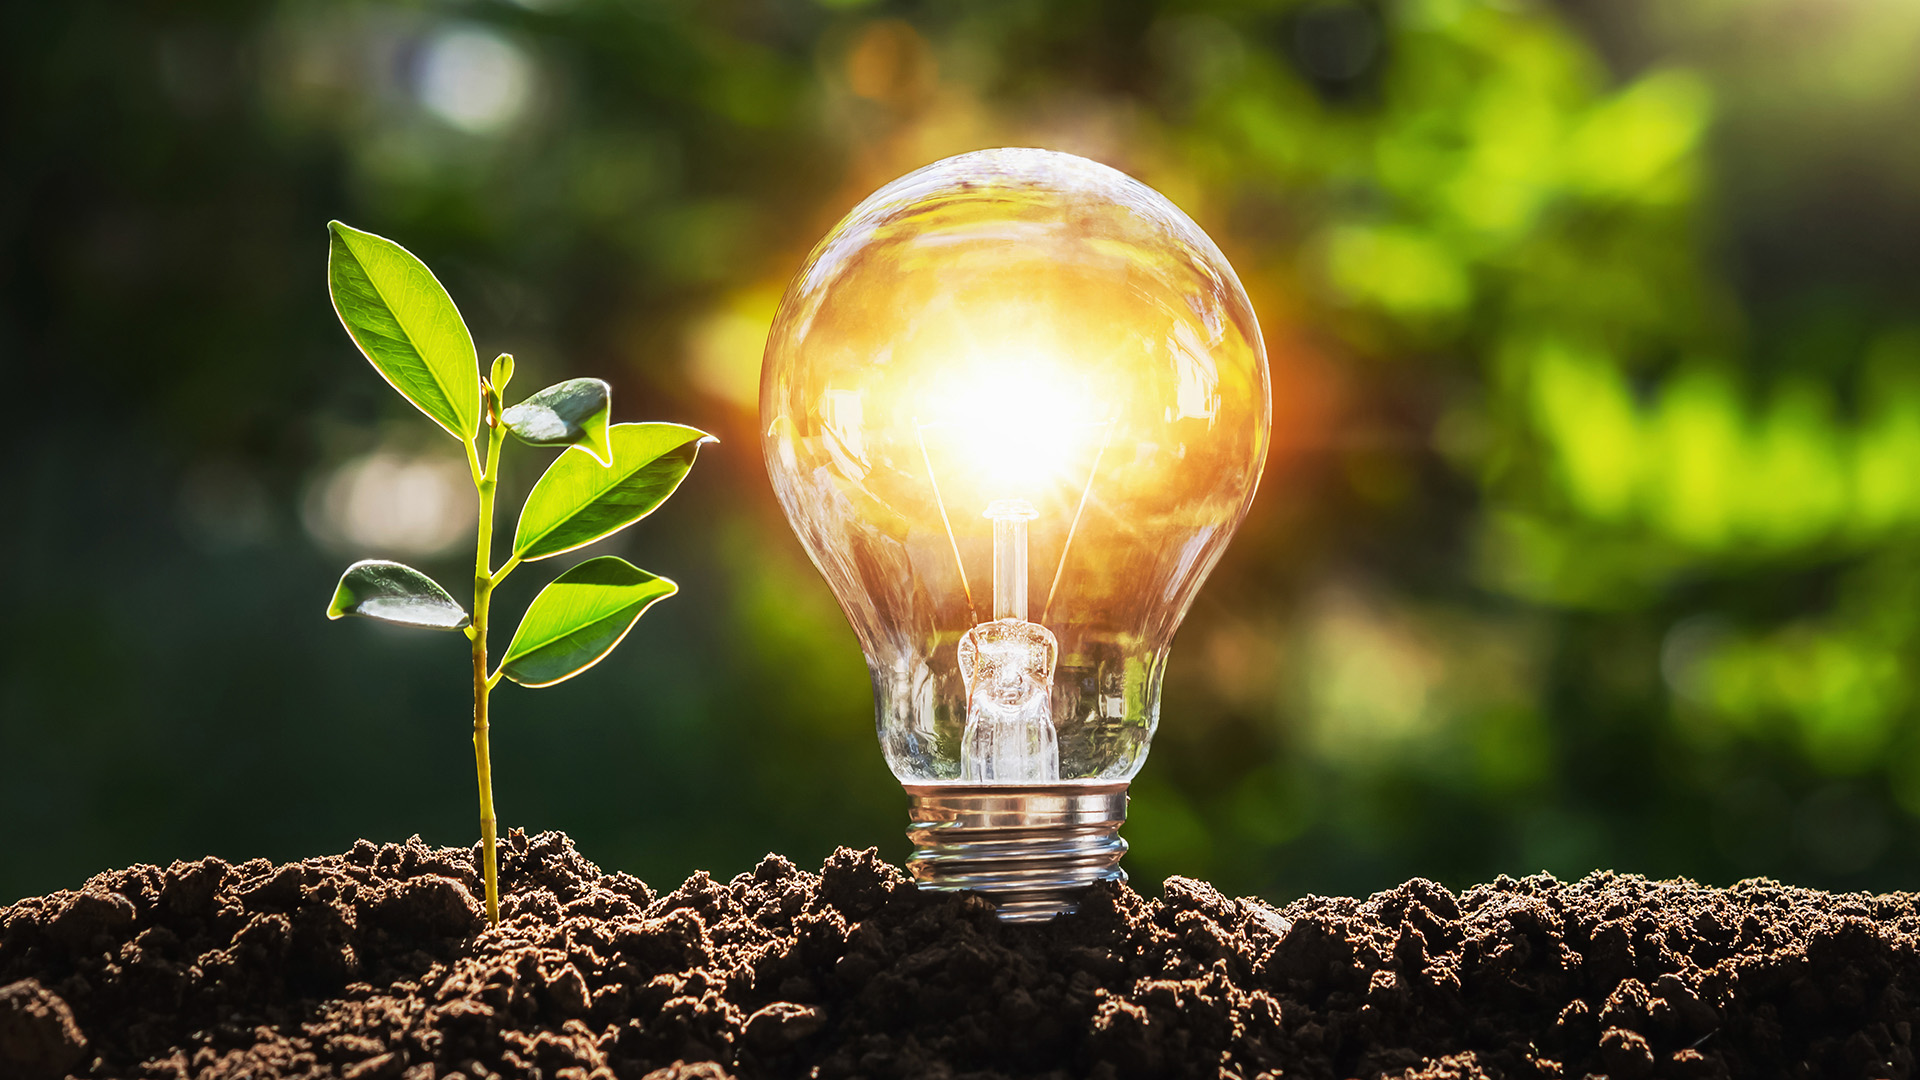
(486, 479)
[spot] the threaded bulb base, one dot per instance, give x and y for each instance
(1029, 848)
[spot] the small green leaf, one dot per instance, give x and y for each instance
(502, 373)
(578, 619)
(565, 414)
(578, 501)
(407, 326)
(395, 593)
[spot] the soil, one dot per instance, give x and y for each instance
(376, 965)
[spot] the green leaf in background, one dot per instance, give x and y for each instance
(407, 326)
(579, 618)
(565, 414)
(395, 593)
(578, 501)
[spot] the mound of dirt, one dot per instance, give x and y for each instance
(376, 965)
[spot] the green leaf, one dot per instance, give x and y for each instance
(407, 326)
(565, 414)
(578, 501)
(502, 372)
(395, 593)
(578, 619)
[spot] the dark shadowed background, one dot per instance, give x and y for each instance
(1588, 539)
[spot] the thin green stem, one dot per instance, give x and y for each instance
(486, 479)
(473, 463)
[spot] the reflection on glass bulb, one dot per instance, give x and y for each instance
(1015, 404)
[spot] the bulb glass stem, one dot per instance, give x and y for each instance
(1010, 517)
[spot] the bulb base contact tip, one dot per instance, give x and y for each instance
(1029, 848)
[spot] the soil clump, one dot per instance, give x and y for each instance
(376, 965)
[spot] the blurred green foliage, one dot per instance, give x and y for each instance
(1588, 538)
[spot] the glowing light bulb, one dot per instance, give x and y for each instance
(1014, 405)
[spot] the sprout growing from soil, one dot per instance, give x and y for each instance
(607, 477)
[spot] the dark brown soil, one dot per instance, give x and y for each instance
(375, 965)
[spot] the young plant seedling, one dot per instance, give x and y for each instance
(606, 478)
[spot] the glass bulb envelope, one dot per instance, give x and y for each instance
(1014, 405)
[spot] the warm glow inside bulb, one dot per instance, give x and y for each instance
(1010, 420)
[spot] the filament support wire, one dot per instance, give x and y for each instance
(1029, 848)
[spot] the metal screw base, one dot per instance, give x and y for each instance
(1030, 848)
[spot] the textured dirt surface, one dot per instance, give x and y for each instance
(375, 965)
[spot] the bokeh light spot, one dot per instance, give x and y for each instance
(723, 347)
(387, 503)
(892, 64)
(474, 79)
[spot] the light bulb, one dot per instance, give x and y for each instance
(1014, 405)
